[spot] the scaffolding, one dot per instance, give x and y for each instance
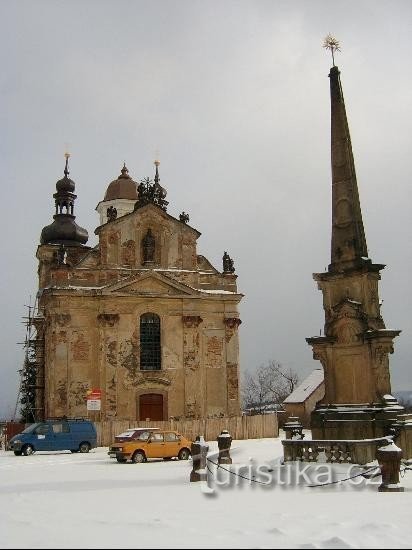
(30, 394)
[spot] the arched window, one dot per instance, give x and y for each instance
(150, 353)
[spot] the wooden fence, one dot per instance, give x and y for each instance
(239, 427)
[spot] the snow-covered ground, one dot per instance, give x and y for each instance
(63, 500)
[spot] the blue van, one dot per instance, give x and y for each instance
(75, 435)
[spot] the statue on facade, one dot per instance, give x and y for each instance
(149, 192)
(111, 213)
(228, 266)
(149, 245)
(61, 255)
(183, 217)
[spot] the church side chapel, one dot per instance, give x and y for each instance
(141, 316)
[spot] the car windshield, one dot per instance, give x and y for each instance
(135, 433)
(30, 428)
(129, 433)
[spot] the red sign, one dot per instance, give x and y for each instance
(94, 394)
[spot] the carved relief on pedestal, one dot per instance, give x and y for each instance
(381, 368)
(231, 326)
(347, 322)
(373, 297)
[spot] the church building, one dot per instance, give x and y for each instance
(141, 318)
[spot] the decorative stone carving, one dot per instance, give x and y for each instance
(108, 319)
(347, 322)
(183, 217)
(319, 353)
(191, 321)
(151, 380)
(348, 331)
(111, 213)
(149, 192)
(228, 266)
(232, 324)
(148, 247)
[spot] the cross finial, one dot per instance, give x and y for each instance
(66, 168)
(156, 163)
(332, 44)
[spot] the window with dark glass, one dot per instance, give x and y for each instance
(150, 342)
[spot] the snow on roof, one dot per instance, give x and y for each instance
(306, 388)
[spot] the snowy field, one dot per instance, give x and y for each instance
(63, 500)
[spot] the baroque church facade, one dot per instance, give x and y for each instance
(141, 316)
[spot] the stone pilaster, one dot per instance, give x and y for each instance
(232, 364)
(108, 336)
(191, 363)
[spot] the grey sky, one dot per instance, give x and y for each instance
(235, 96)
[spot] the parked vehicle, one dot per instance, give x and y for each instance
(152, 444)
(131, 433)
(72, 434)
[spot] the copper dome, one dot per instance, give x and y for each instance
(122, 188)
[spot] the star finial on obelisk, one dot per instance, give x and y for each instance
(332, 44)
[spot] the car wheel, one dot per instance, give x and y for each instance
(18, 453)
(121, 460)
(139, 457)
(184, 454)
(84, 447)
(28, 450)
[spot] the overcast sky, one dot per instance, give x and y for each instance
(235, 97)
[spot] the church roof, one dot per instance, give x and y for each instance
(64, 230)
(122, 188)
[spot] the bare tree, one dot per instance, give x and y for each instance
(269, 385)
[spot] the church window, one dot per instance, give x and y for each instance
(150, 352)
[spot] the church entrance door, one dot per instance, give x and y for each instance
(151, 406)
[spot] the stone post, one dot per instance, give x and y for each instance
(389, 458)
(224, 441)
(199, 450)
(293, 428)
